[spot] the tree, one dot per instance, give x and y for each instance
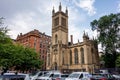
(4, 38)
(118, 61)
(108, 28)
(25, 58)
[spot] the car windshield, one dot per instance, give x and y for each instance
(56, 75)
(75, 75)
(64, 75)
(34, 73)
(46, 75)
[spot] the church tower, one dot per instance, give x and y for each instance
(59, 26)
(59, 38)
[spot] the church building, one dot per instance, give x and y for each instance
(67, 56)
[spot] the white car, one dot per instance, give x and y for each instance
(79, 76)
(34, 76)
(51, 75)
(47, 76)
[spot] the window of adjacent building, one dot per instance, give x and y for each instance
(35, 45)
(42, 57)
(40, 50)
(82, 55)
(70, 57)
(35, 40)
(56, 21)
(40, 45)
(76, 55)
(56, 38)
(43, 51)
(63, 21)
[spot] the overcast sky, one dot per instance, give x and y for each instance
(22, 16)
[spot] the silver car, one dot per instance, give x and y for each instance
(14, 76)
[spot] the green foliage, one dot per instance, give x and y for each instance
(4, 38)
(118, 61)
(19, 57)
(25, 58)
(108, 59)
(108, 27)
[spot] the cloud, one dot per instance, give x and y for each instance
(25, 22)
(26, 19)
(21, 23)
(37, 15)
(118, 7)
(86, 5)
(76, 32)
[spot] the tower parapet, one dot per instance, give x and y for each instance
(85, 37)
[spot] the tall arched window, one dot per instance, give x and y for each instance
(76, 55)
(56, 38)
(63, 57)
(82, 55)
(70, 57)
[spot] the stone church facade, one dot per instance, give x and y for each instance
(66, 56)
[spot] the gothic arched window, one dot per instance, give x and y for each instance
(82, 55)
(76, 55)
(63, 57)
(56, 21)
(70, 57)
(56, 38)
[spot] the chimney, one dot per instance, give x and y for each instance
(71, 39)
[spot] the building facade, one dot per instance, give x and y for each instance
(66, 56)
(37, 40)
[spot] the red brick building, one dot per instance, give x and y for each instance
(37, 40)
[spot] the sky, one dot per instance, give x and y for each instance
(22, 16)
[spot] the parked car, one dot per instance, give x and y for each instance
(51, 75)
(14, 76)
(34, 75)
(107, 76)
(64, 76)
(47, 76)
(56, 76)
(117, 76)
(79, 76)
(98, 77)
(59, 76)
